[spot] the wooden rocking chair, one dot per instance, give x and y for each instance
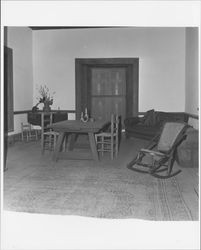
(162, 159)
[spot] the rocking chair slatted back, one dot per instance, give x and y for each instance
(171, 133)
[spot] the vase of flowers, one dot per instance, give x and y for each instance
(45, 97)
(47, 107)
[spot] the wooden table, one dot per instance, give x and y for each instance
(72, 128)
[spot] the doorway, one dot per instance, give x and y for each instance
(107, 85)
(8, 98)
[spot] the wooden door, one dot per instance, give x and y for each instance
(106, 85)
(108, 92)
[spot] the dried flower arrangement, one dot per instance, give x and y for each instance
(45, 95)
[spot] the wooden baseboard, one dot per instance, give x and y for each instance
(12, 139)
(193, 116)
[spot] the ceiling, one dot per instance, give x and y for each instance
(69, 27)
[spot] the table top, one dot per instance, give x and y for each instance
(78, 126)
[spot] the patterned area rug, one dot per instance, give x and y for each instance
(93, 190)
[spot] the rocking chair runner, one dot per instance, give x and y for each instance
(162, 159)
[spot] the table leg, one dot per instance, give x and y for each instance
(72, 140)
(58, 145)
(93, 146)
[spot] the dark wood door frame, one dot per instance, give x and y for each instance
(8, 90)
(82, 81)
(8, 98)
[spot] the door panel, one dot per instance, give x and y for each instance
(108, 92)
(103, 107)
(108, 81)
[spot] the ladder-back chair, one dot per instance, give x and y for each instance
(108, 141)
(48, 136)
(28, 133)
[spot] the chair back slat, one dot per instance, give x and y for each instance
(114, 124)
(170, 133)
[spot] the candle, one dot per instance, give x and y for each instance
(85, 110)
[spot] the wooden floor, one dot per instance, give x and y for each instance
(188, 179)
(189, 185)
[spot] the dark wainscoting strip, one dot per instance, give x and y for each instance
(193, 116)
(21, 112)
(53, 110)
(189, 114)
(74, 111)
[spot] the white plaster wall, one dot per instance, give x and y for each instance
(19, 39)
(161, 52)
(192, 86)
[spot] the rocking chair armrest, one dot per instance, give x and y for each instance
(152, 152)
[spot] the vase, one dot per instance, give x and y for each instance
(46, 107)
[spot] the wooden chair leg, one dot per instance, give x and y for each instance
(116, 147)
(55, 141)
(27, 132)
(50, 142)
(42, 143)
(102, 146)
(22, 132)
(112, 147)
(64, 145)
(36, 134)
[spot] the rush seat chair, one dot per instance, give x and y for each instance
(109, 141)
(48, 136)
(159, 162)
(28, 133)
